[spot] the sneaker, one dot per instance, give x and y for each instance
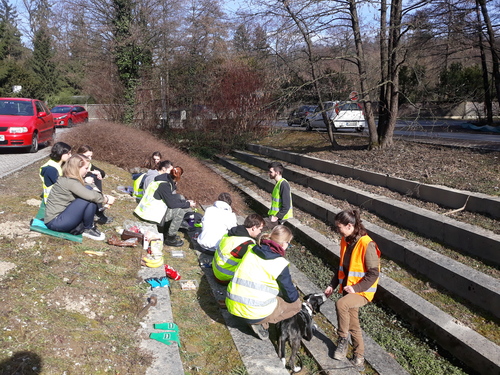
(103, 219)
(260, 331)
(358, 361)
(341, 351)
(93, 234)
(174, 241)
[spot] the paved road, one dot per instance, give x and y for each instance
(13, 160)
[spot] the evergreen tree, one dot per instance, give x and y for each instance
(241, 40)
(43, 64)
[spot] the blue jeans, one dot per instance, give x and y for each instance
(78, 213)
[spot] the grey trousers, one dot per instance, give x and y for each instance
(175, 216)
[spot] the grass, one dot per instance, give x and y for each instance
(63, 311)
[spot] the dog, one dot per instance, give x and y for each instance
(298, 327)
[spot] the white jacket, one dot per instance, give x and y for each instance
(218, 219)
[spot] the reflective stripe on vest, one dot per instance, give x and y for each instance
(357, 266)
(138, 191)
(223, 263)
(46, 189)
(276, 202)
(150, 208)
(252, 292)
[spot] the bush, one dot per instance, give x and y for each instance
(129, 148)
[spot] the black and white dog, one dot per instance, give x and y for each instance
(298, 327)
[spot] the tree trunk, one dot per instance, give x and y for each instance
(383, 105)
(488, 105)
(305, 35)
(361, 64)
(491, 41)
(392, 94)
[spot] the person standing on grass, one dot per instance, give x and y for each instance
(261, 291)
(71, 205)
(52, 170)
(281, 197)
(357, 278)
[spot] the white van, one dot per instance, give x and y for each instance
(344, 115)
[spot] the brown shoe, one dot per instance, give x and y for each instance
(341, 351)
(358, 361)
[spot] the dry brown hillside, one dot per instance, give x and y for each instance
(127, 148)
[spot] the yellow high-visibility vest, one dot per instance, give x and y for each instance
(276, 202)
(252, 292)
(223, 263)
(46, 189)
(150, 208)
(137, 190)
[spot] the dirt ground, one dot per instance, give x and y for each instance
(460, 168)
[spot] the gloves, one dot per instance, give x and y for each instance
(153, 281)
(157, 282)
(164, 281)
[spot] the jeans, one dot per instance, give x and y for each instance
(79, 212)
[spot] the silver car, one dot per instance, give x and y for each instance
(344, 115)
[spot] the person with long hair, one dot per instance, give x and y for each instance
(71, 205)
(151, 165)
(261, 291)
(153, 161)
(216, 221)
(357, 279)
(161, 205)
(95, 176)
(52, 170)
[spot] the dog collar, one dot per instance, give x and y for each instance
(308, 307)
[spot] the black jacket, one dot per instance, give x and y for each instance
(165, 192)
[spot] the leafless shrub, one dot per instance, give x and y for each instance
(128, 148)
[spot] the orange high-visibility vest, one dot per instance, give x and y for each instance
(357, 269)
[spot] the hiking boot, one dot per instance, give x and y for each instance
(358, 361)
(341, 351)
(93, 234)
(174, 241)
(260, 331)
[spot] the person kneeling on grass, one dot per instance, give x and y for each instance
(71, 204)
(160, 205)
(262, 275)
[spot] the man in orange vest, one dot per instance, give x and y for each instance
(357, 278)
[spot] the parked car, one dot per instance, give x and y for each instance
(344, 115)
(25, 123)
(298, 115)
(67, 115)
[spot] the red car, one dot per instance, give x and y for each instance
(25, 123)
(67, 115)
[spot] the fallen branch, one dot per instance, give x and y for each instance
(458, 209)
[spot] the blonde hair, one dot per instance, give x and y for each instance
(72, 167)
(280, 234)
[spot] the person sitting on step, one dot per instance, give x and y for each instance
(161, 205)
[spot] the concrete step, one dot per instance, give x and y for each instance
(464, 237)
(461, 342)
(480, 289)
(441, 195)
